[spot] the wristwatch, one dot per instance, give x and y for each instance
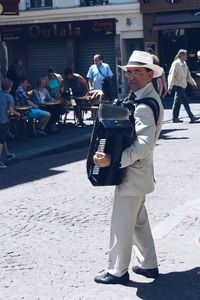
(173, 1)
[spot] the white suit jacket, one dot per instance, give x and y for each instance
(138, 158)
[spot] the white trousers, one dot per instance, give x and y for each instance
(130, 228)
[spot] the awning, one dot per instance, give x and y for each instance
(188, 19)
(9, 7)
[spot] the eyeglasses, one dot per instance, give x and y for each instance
(130, 73)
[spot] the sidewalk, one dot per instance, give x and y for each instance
(68, 138)
(72, 138)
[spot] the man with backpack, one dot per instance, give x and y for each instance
(130, 225)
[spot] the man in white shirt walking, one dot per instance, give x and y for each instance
(179, 77)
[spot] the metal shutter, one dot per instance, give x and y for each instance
(43, 53)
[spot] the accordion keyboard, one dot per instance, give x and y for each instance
(101, 148)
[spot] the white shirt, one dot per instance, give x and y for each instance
(179, 75)
(97, 77)
(140, 92)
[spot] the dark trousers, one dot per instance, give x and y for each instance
(180, 97)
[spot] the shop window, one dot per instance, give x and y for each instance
(40, 3)
(93, 2)
(170, 41)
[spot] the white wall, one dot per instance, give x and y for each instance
(64, 3)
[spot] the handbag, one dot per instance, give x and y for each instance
(106, 85)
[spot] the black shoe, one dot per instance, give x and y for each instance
(194, 119)
(107, 278)
(10, 156)
(177, 120)
(149, 273)
(2, 165)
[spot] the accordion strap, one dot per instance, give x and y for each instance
(153, 104)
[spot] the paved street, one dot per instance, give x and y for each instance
(55, 226)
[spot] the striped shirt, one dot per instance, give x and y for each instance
(21, 97)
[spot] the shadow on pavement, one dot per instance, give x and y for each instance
(172, 286)
(39, 168)
(166, 134)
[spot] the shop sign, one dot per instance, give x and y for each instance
(9, 7)
(59, 30)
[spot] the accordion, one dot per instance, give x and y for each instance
(112, 133)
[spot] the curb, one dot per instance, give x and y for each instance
(73, 144)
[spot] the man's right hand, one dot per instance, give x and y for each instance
(169, 91)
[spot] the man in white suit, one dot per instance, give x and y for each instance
(130, 225)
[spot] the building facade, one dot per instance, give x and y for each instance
(171, 25)
(62, 33)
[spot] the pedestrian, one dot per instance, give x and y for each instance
(196, 65)
(198, 60)
(6, 104)
(100, 77)
(157, 82)
(179, 77)
(130, 225)
(161, 81)
(15, 72)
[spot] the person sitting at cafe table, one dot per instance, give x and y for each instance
(54, 83)
(42, 98)
(22, 98)
(80, 88)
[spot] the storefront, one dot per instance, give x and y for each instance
(60, 45)
(169, 26)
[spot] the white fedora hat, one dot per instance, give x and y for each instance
(144, 60)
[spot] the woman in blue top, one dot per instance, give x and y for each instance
(54, 83)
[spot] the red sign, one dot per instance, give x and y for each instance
(9, 7)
